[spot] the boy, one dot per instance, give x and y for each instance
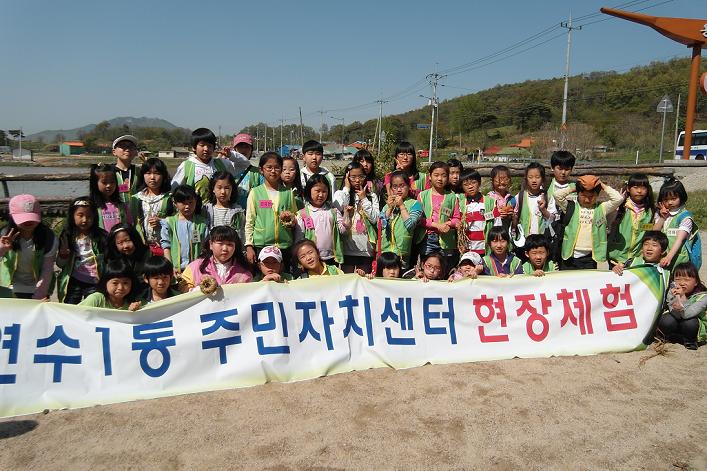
(470, 266)
(125, 150)
(270, 265)
(653, 246)
(473, 229)
(562, 162)
(248, 176)
(198, 169)
(313, 153)
(584, 241)
(537, 251)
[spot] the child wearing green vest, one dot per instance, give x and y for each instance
(685, 321)
(271, 212)
(399, 218)
(152, 203)
(530, 212)
(183, 233)
(223, 208)
(306, 253)
(125, 151)
(103, 191)
(270, 266)
(678, 224)
(537, 251)
(500, 261)
(116, 288)
(634, 217)
(292, 179)
(584, 241)
(653, 247)
(406, 160)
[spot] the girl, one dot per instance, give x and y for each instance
(365, 158)
(500, 262)
(530, 212)
(360, 208)
(321, 223)
(81, 247)
(152, 202)
(405, 159)
(222, 208)
(686, 319)
(431, 267)
(270, 213)
(675, 221)
(306, 253)
(292, 179)
(441, 209)
(115, 289)
(182, 234)
(399, 218)
(634, 217)
(103, 191)
(158, 273)
(124, 243)
(389, 265)
(222, 258)
(504, 203)
(28, 251)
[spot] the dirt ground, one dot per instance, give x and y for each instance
(604, 411)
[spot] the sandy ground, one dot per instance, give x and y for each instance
(598, 412)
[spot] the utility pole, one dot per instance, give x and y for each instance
(265, 146)
(433, 79)
(677, 117)
(301, 127)
(321, 123)
(569, 27)
(282, 122)
(342, 133)
(379, 125)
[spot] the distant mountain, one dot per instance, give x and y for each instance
(69, 134)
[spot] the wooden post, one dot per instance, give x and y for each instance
(691, 99)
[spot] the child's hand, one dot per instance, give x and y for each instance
(154, 221)
(538, 273)
(224, 151)
(506, 211)
(665, 261)
(618, 268)
(370, 276)
(350, 209)
(250, 254)
(662, 210)
(360, 272)
(7, 240)
(541, 203)
(134, 306)
(362, 193)
(444, 227)
(391, 201)
(273, 277)
(288, 219)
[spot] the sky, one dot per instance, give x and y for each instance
(229, 64)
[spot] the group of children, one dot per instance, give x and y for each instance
(141, 236)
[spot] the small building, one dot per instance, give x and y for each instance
(174, 153)
(22, 154)
(68, 148)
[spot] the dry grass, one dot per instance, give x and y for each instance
(660, 348)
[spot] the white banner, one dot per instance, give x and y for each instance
(55, 356)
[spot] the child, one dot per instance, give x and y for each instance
(198, 169)
(28, 249)
(104, 195)
(504, 202)
(158, 273)
(270, 212)
(676, 222)
(125, 150)
(270, 266)
(361, 210)
(531, 212)
(399, 218)
(470, 266)
(248, 176)
(292, 179)
(124, 243)
(634, 217)
(584, 241)
(653, 246)
(81, 247)
(431, 267)
(222, 208)
(115, 289)
(321, 223)
(686, 319)
(474, 228)
(537, 251)
(152, 202)
(388, 265)
(500, 262)
(313, 153)
(441, 209)
(406, 160)
(562, 163)
(181, 234)
(222, 258)
(455, 170)
(368, 164)
(306, 253)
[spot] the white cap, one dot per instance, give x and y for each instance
(126, 137)
(473, 257)
(271, 251)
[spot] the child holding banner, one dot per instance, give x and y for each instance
(270, 266)
(500, 261)
(158, 276)
(116, 288)
(686, 319)
(124, 243)
(653, 246)
(537, 251)
(306, 253)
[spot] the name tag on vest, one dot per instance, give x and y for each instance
(647, 227)
(266, 204)
(489, 216)
(308, 222)
(124, 187)
(446, 212)
(195, 236)
(672, 232)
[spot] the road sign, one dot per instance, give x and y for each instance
(665, 105)
(423, 126)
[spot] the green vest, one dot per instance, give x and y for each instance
(267, 229)
(136, 211)
(551, 189)
(549, 267)
(421, 182)
(132, 184)
(524, 216)
(671, 231)
(446, 210)
(488, 261)
(598, 234)
(396, 238)
(199, 224)
(310, 234)
(65, 275)
(202, 186)
(625, 238)
(8, 266)
(702, 318)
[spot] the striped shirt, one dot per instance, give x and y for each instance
(474, 223)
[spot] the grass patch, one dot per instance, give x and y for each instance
(697, 204)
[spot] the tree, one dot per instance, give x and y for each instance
(3, 137)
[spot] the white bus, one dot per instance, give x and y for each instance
(698, 148)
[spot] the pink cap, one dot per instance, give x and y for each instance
(243, 138)
(25, 208)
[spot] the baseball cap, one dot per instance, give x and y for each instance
(25, 208)
(243, 138)
(270, 251)
(473, 257)
(126, 137)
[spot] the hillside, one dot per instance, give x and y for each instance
(50, 136)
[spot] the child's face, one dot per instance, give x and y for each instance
(501, 183)
(222, 249)
(403, 161)
(399, 187)
(561, 174)
(313, 159)
(432, 268)
(118, 288)
(439, 178)
(289, 171)
(367, 166)
(125, 152)
(356, 178)
(471, 187)
(391, 272)
(499, 247)
(222, 191)
(537, 257)
(308, 257)
(124, 243)
(587, 199)
(319, 195)
(686, 283)
(187, 207)
(651, 251)
(534, 180)
(106, 184)
(272, 171)
(204, 150)
(637, 193)
(454, 173)
(83, 219)
(671, 202)
(153, 180)
(245, 149)
(269, 266)
(159, 283)
(466, 268)
(28, 227)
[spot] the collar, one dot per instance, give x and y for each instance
(676, 211)
(323, 272)
(477, 198)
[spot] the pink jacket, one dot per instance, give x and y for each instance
(236, 274)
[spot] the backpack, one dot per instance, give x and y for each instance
(555, 233)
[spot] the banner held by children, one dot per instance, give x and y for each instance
(55, 356)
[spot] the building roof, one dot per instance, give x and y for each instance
(73, 143)
(524, 143)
